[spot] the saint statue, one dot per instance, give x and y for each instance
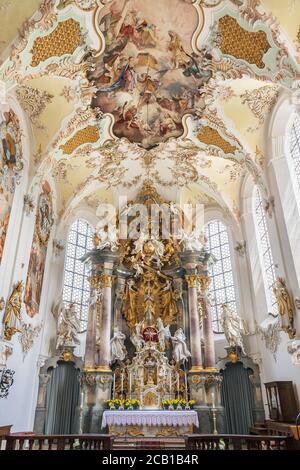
(117, 347)
(68, 327)
(285, 307)
(180, 350)
(137, 338)
(233, 327)
(163, 334)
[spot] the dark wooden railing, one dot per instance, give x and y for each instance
(236, 442)
(58, 442)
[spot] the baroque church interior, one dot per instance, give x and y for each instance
(149, 223)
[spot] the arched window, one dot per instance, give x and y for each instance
(295, 147)
(265, 250)
(76, 284)
(222, 285)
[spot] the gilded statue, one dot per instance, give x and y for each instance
(13, 311)
(285, 307)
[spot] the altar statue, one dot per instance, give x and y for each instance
(106, 237)
(233, 327)
(68, 327)
(163, 334)
(192, 241)
(137, 338)
(117, 347)
(180, 350)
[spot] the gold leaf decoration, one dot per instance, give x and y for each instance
(64, 39)
(210, 136)
(89, 134)
(242, 44)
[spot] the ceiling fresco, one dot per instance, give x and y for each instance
(118, 92)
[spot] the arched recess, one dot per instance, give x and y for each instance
(284, 188)
(15, 210)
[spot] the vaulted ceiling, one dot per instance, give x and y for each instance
(118, 92)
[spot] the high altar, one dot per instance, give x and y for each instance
(149, 334)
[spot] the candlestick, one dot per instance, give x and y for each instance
(178, 385)
(130, 385)
(170, 378)
(213, 399)
(122, 380)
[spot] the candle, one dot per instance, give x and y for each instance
(178, 384)
(122, 380)
(170, 378)
(114, 386)
(213, 399)
(130, 385)
(186, 387)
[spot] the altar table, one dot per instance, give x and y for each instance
(157, 423)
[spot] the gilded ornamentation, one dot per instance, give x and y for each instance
(12, 314)
(242, 44)
(67, 356)
(2, 304)
(196, 379)
(89, 134)
(285, 307)
(210, 136)
(64, 39)
(27, 335)
(34, 102)
(261, 102)
(105, 379)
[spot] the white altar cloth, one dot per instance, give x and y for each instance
(150, 418)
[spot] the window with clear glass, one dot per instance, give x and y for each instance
(76, 285)
(222, 286)
(295, 147)
(265, 251)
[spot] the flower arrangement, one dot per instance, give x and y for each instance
(123, 404)
(178, 404)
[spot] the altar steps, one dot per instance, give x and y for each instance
(148, 443)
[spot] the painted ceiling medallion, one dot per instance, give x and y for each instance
(149, 77)
(242, 44)
(89, 134)
(64, 39)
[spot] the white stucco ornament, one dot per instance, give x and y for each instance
(294, 351)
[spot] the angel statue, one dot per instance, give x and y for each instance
(117, 347)
(106, 237)
(68, 327)
(137, 338)
(180, 350)
(233, 327)
(163, 334)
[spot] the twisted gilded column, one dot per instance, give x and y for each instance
(195, 333)
(208, 334)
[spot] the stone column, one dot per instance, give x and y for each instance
(90, 345)
(195, 334)
(209, 343)
(104, 349)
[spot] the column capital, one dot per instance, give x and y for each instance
(191, 280)
(106, 280)
(204, 281)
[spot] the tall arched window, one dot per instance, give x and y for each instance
(295, 147)
(265, 250)
(76, 284)
(222, 285)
